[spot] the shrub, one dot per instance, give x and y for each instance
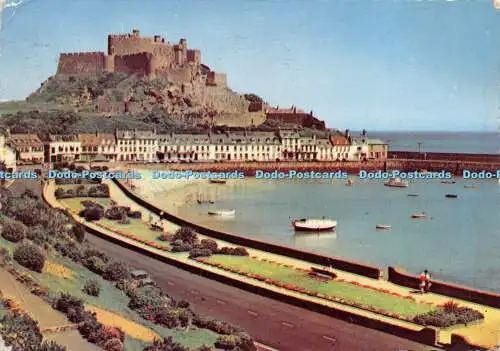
(94, 264)
(227, 342)
(181, 247)
(30, 256)
(235, 251)
(92, 213)
(220, 327)
(116, 213)
(90, 327)
(37, 234)
(92, 288)
(199, 253)
(5, 257)
(51, 346)
(165, 345)
(186, 235)
(79, 232)
(13, 231)
(20, 332)
(449, 316)
(209, 244)
(450, 306)
(90, 203)
(134, 214)
(113, 344)
(115, 270)
(128, 286)
(66, 302)
(124, 221)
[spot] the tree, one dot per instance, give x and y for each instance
(13, 231)
(115, 271)
(20, 331)
(79, 232)
(92, 288)
(187, 235)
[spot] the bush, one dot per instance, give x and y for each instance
(134, 214)
(66, 302)
(94, 264)
(51, 346)
(92, 213)
(90, 203)
(209, 244)
(220, 327)
(200, 253)
(79, 232)
(113, 344)
(166, 344)
(92, 288)
(115, 271)
(20, 332)
(182, 247)
(448, 316)
(30, 256)
(186, 235)
(116, 213)
(235, 251)
(124, 221)
(227, 342)
(13, 231)
(37, 234)
(5, 257)
(90, 327)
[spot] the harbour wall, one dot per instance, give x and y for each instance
(444, 156)
(407, 165)
(460, 292)
(344, 265)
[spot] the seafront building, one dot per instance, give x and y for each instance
(232, 146)
(7, 154)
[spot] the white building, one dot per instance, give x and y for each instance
(245, 146)
(7, 155)
(175, 147)
(62, 148)
(136, 146)
(98, 144)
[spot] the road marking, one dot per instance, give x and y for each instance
(286, 324)
(329, 338)
(220, 302)
(252, 313)
(170, 283)
(264, 347)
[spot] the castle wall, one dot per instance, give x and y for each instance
(81, 63)
(138, 64)
(177, 75)
(193, 56)
(216, 79)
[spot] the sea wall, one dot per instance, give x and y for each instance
(460, 292)
(344, 265)
(446, 156)
(249, 168)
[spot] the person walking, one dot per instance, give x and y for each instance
(428, 283)
(422, 279)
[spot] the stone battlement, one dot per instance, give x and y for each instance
(78, 54)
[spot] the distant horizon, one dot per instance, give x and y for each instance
(405, 66)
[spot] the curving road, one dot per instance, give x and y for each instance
(273, 323)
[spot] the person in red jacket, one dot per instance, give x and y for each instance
(425, 281)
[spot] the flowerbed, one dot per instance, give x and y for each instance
(135, 238)
(353, 294)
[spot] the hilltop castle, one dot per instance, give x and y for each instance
(142, 56)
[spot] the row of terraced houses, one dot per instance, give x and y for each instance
(150, 147)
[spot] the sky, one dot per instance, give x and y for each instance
(374, 64)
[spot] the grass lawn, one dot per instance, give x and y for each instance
(344, 290)
(75, 204)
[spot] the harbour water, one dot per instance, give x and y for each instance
(459, 241)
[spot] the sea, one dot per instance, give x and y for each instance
(455, 142)
(458, 242)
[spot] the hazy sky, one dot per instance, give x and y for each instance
(388, 64)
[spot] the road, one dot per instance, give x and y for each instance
(279, 325)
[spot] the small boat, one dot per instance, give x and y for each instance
(448, 181)
(200, 202)
(471, 186)
(349, 182)
(451, 196)
(218, 181)
(314, 225)
(413, 195)
(397, 183)
(383, 226)
(224, 213)
(419, 215)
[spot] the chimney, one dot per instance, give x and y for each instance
(136, 32)
(157, 38)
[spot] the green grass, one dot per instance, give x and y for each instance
(75, 203)
(344, 290)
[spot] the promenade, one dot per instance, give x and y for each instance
(486, 333)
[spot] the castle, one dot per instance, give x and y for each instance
(142, 56)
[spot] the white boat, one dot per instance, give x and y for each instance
(397, 183)
(224, 213)
(314, 225)
(383, 226)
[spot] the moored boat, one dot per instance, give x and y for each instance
(413, 195)
(314, 225)
(218, 181)
(451, 196)
(224, 213)
(471, 186)
(397, 183)
(200, 202)
(419, 215)
(383, 226)
(448, 181)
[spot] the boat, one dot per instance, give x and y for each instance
(218, 181)
(451, 196)
(349, 182)
(397, 183)
(419, 215)
(413, 195)
(448, 181)
(471, 186)
(200, 202)
(383, 226)
(224, 213)
(314, 225)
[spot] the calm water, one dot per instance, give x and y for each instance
(459, 242)
(462, 142)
